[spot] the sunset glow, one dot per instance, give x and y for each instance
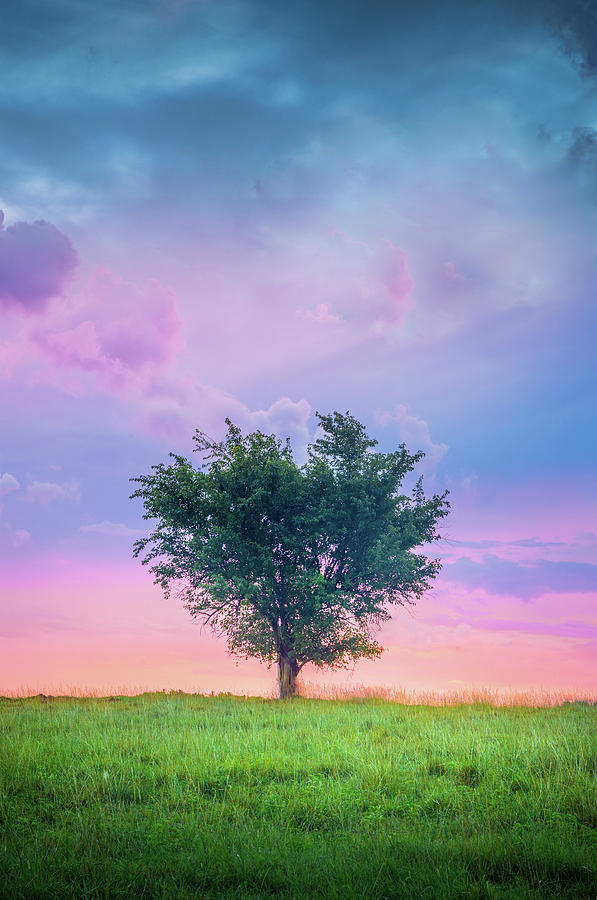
(257, 211)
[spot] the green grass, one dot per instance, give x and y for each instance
(180, 796)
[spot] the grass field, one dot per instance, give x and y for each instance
(175, 795)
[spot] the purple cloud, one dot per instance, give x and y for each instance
(118, 330)
(525, 580)
(366, 286)
(19, 537)
(8, 483)
(47, 491)
(111, 529)
(15, 537)
(321, 314)
(36, 262)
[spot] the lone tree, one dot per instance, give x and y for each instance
(293, 564)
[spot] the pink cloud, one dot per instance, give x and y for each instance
(320, 314)
(11, 354)
(452, 275)
(568, 617)
(36, 263)
(398, 285)
(77, 347)
(117, 329)
(138, 325)
(45, 492)
(373, 282)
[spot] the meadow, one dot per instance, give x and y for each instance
(190, 796)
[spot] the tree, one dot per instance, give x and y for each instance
(293, 564)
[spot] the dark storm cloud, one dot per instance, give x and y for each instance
(36, 261)
(527, 581)
(575, 24)
(218, 92)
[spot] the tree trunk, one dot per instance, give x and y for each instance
(287, 672)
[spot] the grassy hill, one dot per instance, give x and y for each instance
(179, 796)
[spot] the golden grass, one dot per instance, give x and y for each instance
(498, 697)
(536, 697)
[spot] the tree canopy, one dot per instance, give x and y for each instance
(292, 564)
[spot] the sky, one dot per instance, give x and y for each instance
(262, 210)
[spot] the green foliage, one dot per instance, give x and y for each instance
(184, 796)
(289, 562)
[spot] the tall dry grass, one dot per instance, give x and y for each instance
(498, 697)
(536, 697)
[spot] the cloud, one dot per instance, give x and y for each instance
(415, 433)
(575, 24)
(285, 418)
(467, 481)
(372, 284)
(8, 483)
(45, 492)
(582, 630)
(11, 354)
(524, 580)
(19, 536)
(536, 542)
(14, 537)
(452, 275)
(172, 408)
(112, 529)
(484, 544)
(36, 263)
(584, 145)
(585, 631)
(118, 329)
(505, 548)
(397, 284)
(320, 314)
